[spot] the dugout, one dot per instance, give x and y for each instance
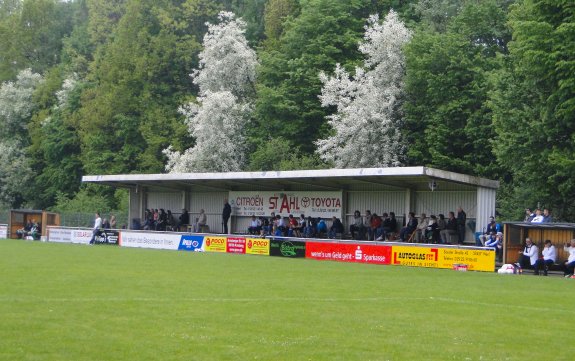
(514, 234)
(19, 218)
(330, 192)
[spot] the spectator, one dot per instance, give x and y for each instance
(375, 225)
(548, 259)
(280, 226)
(496, 242)
(336, 227)
(113, 224)
(528, 215)
(357, 226)
(547, 218)
(528, 257)
(450, 228)
(385, 228)
(569, 265)
(105, 224)
(367, 224)
(321, 227)
(491, 230)
(421, 227)
(96, 229)
(538, 217)
(268, 225)
(310, 229)
(226, 213)
(441, 224)
(170, 222)
(409, 228)
(255, 226)
(162, 220)
(292, 226)
(184, 220)
(392, 224)
(301, 224)
(201, 222)
(461, 222)
(23, 232)
(431, 232)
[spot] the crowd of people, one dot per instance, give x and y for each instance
(290, 226)
(31, 230)
(530, 257)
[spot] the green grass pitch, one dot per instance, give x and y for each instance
(74, 302)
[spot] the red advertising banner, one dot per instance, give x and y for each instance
(346, 252)
(236, 245)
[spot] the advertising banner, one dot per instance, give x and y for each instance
(236, 245)
(285, 248)
(215, 243)
(259, 246)
(348, 252)
(191, 243)
(107, 236)
(314, 204)
(475, 259)
(150, 240)
(3, 231)
(69, 235)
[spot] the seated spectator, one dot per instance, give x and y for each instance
(23, 232)
(528, 215)
(547, 218)
(336, 227)
(431, 232)
(35, 231)
(255, 226)
(281, 227)
(491, 230)
(384, 229)
(170, 221)
(357, 226)
(390, 227)
(549, 257)
(409, 228)
(528, 257)
(184, 221)
(441, 223)
(321, 227)
(268, 225)
(496, 242)
(161, 221)
(375, 225)
(421, 227)
(367, 224)
(450, 228)
(292, 226)
(310, 229)
(201, 222)
(301, 224)
(569, 265)
(538, 217)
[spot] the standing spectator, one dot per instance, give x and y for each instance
(113, 224)
(226, 213)
(538, 217)
(450, 228)
(201, 221)
(528, 257)
(184, 220)
(461, 222)
(549, 257)
(96, 229)
(547, 218)
(105, 224)
(569, 265)
(357, 225)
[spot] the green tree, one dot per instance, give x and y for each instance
(534, 109)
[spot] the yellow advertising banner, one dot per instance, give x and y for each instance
(215, 244)
(437, 257)
(258, 246)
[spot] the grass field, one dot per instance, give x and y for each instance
(73, 302)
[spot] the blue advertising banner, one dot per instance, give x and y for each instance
(191, 243)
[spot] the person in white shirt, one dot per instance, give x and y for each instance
(528, 257)
(549, 257)
(255, 226)
(96, 229)
(201, 221)
(538, 217)
(569, 265)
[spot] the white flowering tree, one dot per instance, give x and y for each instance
(16, 108)
(225, 79)
(366, 124)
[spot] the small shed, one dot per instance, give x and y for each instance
(19, 218)
(514, 234)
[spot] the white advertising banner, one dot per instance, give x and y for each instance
(154, 240)
(3, 231)
(69, 235)
(314, 204)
